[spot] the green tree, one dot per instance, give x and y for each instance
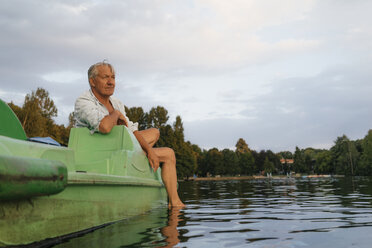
(136, 114)
(37, 113)
(71, 120)
(178, 130)
(241, 146)
(198, 153)
(184, 152)
(275, 160)
(157, 117)
(203, 169)
(214, 162)
(344, 155)
(231, 162)
(323, 164)
(46, 105)
(299, 161)
(285, 155)
(365, 165)
(246, 163)
(167, 138)
(245, 160)
(268, 166)
(186, 161)
(259, 158)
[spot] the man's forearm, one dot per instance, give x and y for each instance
(108, 122)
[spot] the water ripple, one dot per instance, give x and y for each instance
(277, 215)
(328, 212)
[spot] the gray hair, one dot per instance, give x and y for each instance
(92, 72)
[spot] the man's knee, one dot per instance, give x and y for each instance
(171, 156)
(155, 133)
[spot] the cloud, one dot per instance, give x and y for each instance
(255, 15)
(278, 74)
(148, 36)
(63, 76)
(304, 112)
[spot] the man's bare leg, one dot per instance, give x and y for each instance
(169, 175)
(151, 135)
(168, 170)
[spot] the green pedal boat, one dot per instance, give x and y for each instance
(48, 191)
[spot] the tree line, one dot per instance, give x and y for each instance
(345, 157)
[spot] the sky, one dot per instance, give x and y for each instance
(278, 74)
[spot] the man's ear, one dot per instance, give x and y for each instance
(91, 82)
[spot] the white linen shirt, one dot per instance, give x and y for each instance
(89, 112)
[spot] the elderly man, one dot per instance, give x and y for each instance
(98, 110)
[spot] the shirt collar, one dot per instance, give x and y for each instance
(95, 98)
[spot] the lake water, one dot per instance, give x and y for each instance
(324, 212)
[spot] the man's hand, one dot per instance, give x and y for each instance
(151, 155)
(109, 121)
(121, 119)
(153, 159)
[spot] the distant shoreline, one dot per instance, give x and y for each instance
(257, 177)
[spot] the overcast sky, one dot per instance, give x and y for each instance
(278, 74)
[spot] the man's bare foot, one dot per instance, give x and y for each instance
(176, 204)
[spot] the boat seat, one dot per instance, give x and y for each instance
(95, 152)
(81, 139)
(10, 126)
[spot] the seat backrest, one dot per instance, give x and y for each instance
(10, 126)
(97, 146)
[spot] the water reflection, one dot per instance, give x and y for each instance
(170, 231)
(281, 213)
(333, 212)
(128, 233)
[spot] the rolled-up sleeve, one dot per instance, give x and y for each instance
(132, 126)
(88, 114)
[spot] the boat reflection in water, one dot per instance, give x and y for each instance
(157, 228)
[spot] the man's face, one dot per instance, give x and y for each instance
(104, 83)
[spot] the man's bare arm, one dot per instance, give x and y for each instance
(151, 155)
(111, 120)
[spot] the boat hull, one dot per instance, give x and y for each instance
(78, 207)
